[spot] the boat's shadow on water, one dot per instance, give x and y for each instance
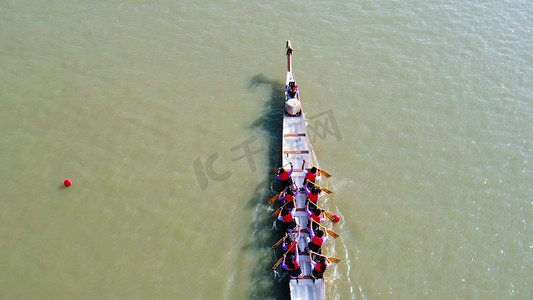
(266, 283)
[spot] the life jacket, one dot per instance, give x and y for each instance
(318, 271)
(320, 267)
(296, 271)
(284, 176)
(292, 247)
(313, 197)
(289, 197)
(315, 218)
(310, 176)
(317, 240)
(287, 218)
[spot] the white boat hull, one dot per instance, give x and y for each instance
(296, 148)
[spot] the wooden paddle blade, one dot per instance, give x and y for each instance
(273, 199)
(277, 243)
(274, 171)
(325, 173)
(326, 190)
(333, 234)
(276, 265)
(334, 259)
(330, 216)
(275, 213)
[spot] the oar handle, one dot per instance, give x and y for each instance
(274, 171)
(312, 252)
(315, 204)
(305, 161)
(322, 188)
(280, 241)
(330, 259)
(319, 170)
(276, 265)
(278, 211)
(318, 224)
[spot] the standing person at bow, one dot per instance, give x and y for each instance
(285, 177)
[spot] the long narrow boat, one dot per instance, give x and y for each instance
(296, 149)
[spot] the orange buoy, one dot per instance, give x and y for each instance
(67, 182)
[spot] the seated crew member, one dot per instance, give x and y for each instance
(313, 195)
(310, 176)
(292, 89)
(291, 243)
(314, 215)
(316, 240)
(285, 177)
(319, 267)
(289, 195)
(291, 265)
(286, 215)
(289, 207)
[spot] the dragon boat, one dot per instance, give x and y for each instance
(296, 148)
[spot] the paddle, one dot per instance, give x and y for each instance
(276, 197)
(277, 211)
(280, 241)
(330, 232)
(276, 170)
(330, 216)
(330, 258)
(283, 238)
(276, 265)
(324, 189)
(321, 171)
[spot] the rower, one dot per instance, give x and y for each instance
(314, 215)
(310, 176)
(286, 215)
(313, 195)
(288, 195)
(291, 243)
(316, 241)
(285, 177)
(319, 267)
(292, 266)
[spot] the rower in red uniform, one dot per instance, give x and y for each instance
(291, 265)
(319, 267)
(313, 195)
(316, 240)
(291, 243)
(289, 195)
(285, 177)
(286, 216)
(314, 215)
(310, 176)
